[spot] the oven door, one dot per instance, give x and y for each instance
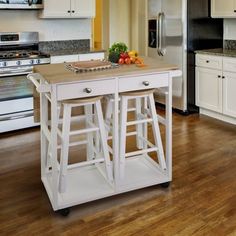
(16, 102)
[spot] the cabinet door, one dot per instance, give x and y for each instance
(223, 9)
(82, 8)
(229, 95)
(91, 56)
(64, 58)
(209, 89)
(53, 9)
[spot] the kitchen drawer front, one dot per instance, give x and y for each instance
(64, 58)
(78, 90)
(214, 62)
(229, 64)
(132, 83)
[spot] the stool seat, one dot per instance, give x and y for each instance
(82, 100)
(138, 93)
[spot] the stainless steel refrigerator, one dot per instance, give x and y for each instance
(176, 28)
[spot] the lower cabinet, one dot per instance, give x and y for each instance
(229, 94)
(209, 89)
(77, 57)
(216, 87)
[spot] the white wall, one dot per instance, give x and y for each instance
(49, 29)
(120, 21)
(230, 29)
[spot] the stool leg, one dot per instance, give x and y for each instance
(156, 132)
(64, 147)
(138, 102)
(145, 125)
(123, 128)
(89, 117)
(108, 115)
(104, 140)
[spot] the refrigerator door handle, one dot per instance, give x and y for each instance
(160, 33)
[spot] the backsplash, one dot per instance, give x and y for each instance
(64, 45)
(230, 44)
(49, 29)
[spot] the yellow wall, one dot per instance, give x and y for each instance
(97, 24)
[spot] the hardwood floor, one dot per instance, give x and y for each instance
(200, 201)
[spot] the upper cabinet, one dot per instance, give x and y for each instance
(223, 9)
(68, 9)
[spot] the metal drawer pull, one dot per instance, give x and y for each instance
(146, 83)
(88, 90)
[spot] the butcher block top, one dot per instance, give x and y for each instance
(59, 73)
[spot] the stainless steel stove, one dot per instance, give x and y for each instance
(18, 54)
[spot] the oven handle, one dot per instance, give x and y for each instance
(35, 79)
(16, 117)
(16, 72)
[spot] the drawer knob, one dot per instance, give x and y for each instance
(146, 83)
(219, 76)
(88, 90)
(223, 77)
(207, 61)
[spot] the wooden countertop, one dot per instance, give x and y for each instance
(58, 73)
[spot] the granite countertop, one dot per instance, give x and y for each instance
(67, 47)
(61, 52)
(218, 52)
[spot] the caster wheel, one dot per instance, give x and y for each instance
(64, 212)
(165, 185)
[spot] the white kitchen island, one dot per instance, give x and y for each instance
(56, 83)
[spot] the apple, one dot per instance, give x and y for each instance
(124, 55)
(121, 61)
(127, 61)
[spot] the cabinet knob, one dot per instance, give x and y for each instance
(88, 90)
(146, 83)
(223, 77)
(219, 76)
(68, 11)
(73, 11)
(207, 61)
(234, 10)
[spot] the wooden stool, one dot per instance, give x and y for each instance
(94, 123)
(148, 116)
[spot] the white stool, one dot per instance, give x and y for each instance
(108, 119)
(148, 116)
(92, 125)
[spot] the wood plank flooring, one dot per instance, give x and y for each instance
(200, 201)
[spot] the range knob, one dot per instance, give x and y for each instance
(18, 63)
(31, 62)
(38, 61)
(4, 63)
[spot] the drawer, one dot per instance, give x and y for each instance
(229, 64)
(207, 61)
(131, 83)
(79, 90)
(91, 56)
(64, 58)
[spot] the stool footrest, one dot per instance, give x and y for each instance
(135, 122)
(136, 153)
(85, 163)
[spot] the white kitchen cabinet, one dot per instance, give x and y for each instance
(216, 85)
(68, 9)
(209, 89)
(77, 57)
(223, 8)
(64, 58)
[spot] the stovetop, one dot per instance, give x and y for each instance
(18, 58)
(22, 54)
